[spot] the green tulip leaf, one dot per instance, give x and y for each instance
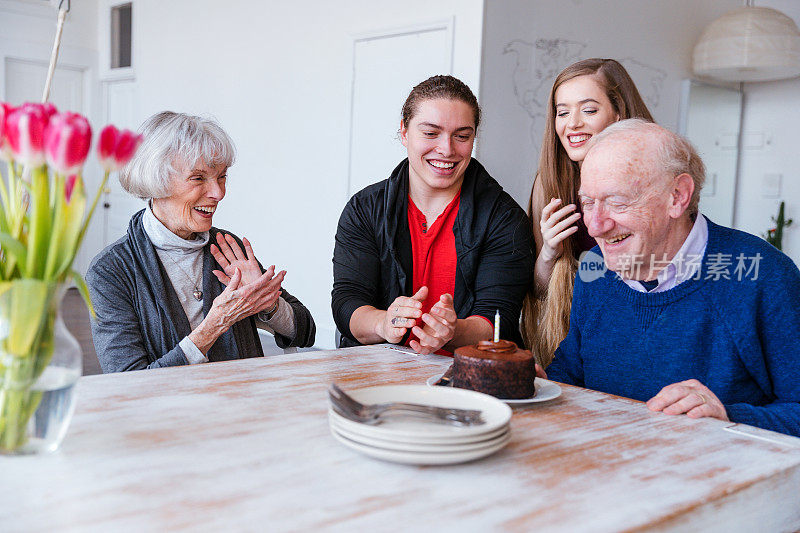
(83, 290)
(13, 248)
(40, 219)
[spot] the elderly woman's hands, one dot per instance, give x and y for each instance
(236, 302)
(688, 397)
(230, 257)
(239, 301)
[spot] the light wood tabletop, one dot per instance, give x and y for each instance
(245, 445)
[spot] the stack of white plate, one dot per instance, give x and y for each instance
(418, 441)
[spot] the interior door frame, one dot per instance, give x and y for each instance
(446, 24)
(76, 58)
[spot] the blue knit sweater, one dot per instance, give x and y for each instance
(736, 336)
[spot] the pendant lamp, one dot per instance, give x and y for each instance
(749, 44)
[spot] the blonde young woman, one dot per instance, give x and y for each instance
(586, 97)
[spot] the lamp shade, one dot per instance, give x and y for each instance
(749, 44)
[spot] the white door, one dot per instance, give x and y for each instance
(385, 68)
(25, 83)
(118, 109)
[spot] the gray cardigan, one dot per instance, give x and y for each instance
(140, 320)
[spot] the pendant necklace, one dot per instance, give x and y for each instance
(197, 293)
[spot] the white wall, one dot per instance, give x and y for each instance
(654, 40)
(771, 113)
(277, 76)
(32, 23)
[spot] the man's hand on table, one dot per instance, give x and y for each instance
(689, 397)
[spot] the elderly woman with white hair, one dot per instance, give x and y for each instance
(158, 296)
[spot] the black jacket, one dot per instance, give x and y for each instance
(372, 262)
(139, 319)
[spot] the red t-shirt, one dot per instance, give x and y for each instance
(433, 254)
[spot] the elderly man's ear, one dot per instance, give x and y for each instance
(682, 190)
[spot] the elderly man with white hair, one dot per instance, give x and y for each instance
(692, 317)
(159, 297)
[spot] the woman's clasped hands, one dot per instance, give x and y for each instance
(248, 291)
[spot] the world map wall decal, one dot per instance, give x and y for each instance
(537, 64)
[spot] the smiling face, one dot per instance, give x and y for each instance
(195, 194)
(439, 139)
(582, 110)
(631, 210)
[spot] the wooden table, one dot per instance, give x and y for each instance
(245, 445)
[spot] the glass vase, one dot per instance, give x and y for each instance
(40, 361)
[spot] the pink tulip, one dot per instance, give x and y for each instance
(67, 140)
(3, 113)
(69, 186)
(106, 144)
(115, 148)
(127, 144)
(25, 127)
(5, 149)
(49, 109)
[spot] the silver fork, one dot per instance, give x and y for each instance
(370, 414)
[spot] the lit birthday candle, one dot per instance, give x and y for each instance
(497, 326)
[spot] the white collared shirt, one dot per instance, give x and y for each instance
(686, 262)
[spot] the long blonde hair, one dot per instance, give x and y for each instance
(545, 317)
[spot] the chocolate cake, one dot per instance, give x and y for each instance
(497, 368)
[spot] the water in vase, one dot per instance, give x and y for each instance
(49, 423)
